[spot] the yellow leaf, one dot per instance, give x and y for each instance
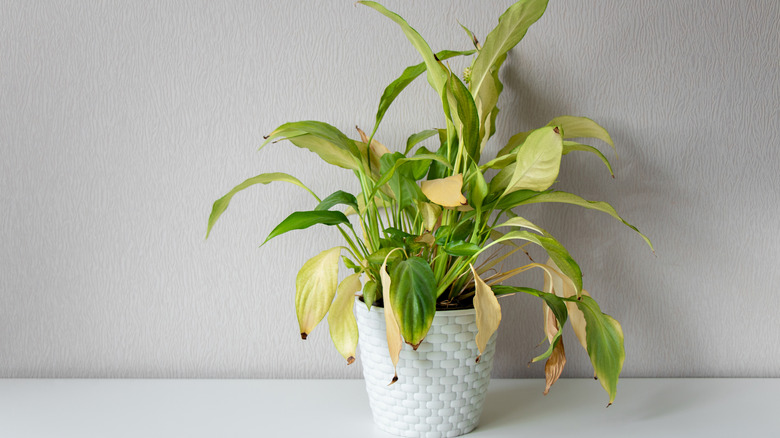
(430, 214)
(341, 318)
(394, 339)
(315, 287)
(488, 312)
(445, 191)
(563, 287)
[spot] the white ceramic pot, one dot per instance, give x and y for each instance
(440, 389)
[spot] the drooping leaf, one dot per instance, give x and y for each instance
(221, 204)
(569, 146)
(394, 339)
(538, 161)
(518, 221)
(471, 35)
(512, 26)
(304, 219)
(514, 142)
(413, 295)
(554, 365)
(569, 198)
(321, 138)
(511, 200)
(341, 318)
(315, 286)
(605, 344)
(445, 191)
(554, 249)
(576, 127)
(488, 312)
(415, 139)
(335, 198)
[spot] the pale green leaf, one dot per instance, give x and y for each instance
(577, 127)
(569, 146)
(341, 318)
(538, 161)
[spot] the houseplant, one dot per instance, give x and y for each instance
(429, 228)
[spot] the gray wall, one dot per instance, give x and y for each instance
(121, 122)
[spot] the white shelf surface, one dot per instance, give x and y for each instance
(86, 408)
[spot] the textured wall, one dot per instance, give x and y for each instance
(121, 122)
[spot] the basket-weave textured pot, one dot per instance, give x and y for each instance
(440, 389)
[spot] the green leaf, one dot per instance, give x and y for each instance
(478, 188)
(514, 199)
(341, 318)
(369, 293)
(437, 74)
(323, 139)
(471, 35)
(467, 121)
(221, 204)
(414, 139)
(569, 146)
(554, 249)
(304, 219)
(397, 162)
(407, 77)
(514, 142)
(315, 286)
(576, 127)
(569, 198)
(538, 161)
(605, 344)
(461, 248)
(413, 296)
(512, 26)
(337, 197)
(401, 179)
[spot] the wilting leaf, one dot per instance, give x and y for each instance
(413, 294)
(430, 214)
(512, 26)
(518, 221)
(304, 219)
(538, 161)
(321, 138)
(315, 286)
(569, 198)
(445, 191)
(554, 249)
(221, 204)
(554, 365)
(576, 127)
(337, 197)
(569, 146)
(605, 344)
(488, 312)
(394, 339)
(341, 318)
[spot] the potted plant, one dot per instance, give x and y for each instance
(426, 233)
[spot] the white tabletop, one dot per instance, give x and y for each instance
(339, 408)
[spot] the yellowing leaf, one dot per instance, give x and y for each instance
(341, 318)
(445, 191)
(430, 214)
(315, 287)
(488, 312)
(538, 161)
(394, 339)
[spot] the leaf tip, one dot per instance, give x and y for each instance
(478, 358)
(350, 360)
(304, 335)
(609, 404)
(395, 379)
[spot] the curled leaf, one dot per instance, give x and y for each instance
(488, 312)
(554, 365)
(315, 287)
(445, 191)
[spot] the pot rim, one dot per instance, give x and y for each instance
(439, 313)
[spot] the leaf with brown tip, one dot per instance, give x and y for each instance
(488, 312)
(394, 339)
(315, 287)
(554, 365)
(341, 318)
(445, 191)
